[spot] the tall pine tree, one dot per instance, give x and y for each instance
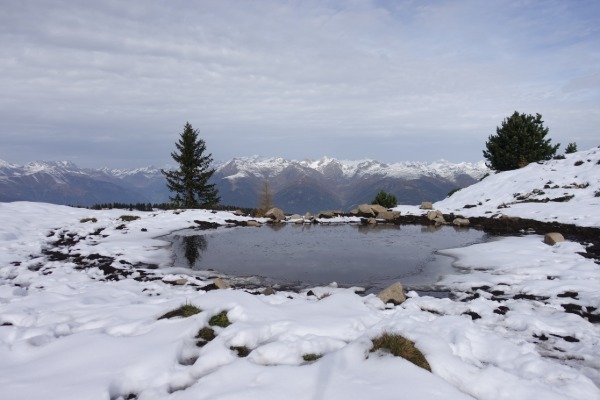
(189, 183)
(518, 142)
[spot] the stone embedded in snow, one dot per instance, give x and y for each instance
(181, 281)
(426, 205)
(239, 213)
(295, 216)
(461, 221)
(221, 284)
(268, 291)
(553, 237)
(365, 210)
(276, 214)
(393, 294)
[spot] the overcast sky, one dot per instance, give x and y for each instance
(112, 83)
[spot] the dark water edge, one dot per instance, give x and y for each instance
(302, 256)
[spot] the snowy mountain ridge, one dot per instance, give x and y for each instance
(262, 167)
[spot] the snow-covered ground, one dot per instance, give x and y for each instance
(66, 332)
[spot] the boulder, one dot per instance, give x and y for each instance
(252, 223)
(372, 221)
(307, 216)
(326, 214)
(268, 291)
(376, 208)
(426, 205)
(354, 211)
(553, 237)
(439, 220)
(295, 216)
(393, 294)
(432, 215)
(365, 210)
(389, 215)
(221, 284)
(239, 213)
(461, 221)
(276, 214)
(299, 221)
(181, 281)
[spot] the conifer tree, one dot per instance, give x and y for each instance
(518, 142)
(386, 200)
(189, 182)
(571, 148)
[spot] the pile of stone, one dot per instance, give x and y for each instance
(372, 213)
(437, 217)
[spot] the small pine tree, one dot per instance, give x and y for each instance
(518, 142)
(189, 182)
(384, 199)
(571, 148)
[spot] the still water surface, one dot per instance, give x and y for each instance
(307, 255)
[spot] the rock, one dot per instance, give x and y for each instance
(364, 210)
(372, 221)
(276, 214)
(181, 281)
(268, 291)
(299, 221)
(432, 215)
(354, 211)
(553, 237)
(239, 213)
(461, 221)
(393, 294)
(326, 214)
(252, 223)
(426, 205)
(295, 216)
(307, 216)
(221, 284)
(389, 215)
(376, 208)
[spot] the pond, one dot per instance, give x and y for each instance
(300, 256)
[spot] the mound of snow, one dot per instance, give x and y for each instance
(565, 191)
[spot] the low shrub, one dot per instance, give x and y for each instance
(400, 347)
(220, 320)
(450, 193)
(128, 218)
(578, 163)
(597, 193)
(186, 310)
(84, 220)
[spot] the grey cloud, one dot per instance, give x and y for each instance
(289, 78)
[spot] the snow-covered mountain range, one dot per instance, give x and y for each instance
(297, 186)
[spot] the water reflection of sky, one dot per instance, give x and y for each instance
(351, 255)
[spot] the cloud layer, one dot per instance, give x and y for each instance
(113, 83)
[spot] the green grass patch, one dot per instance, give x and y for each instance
(84, 220)
(311, 357)
(128, 218)
(206, 334)
(220, 320)
(186, 310)
(400, 347)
